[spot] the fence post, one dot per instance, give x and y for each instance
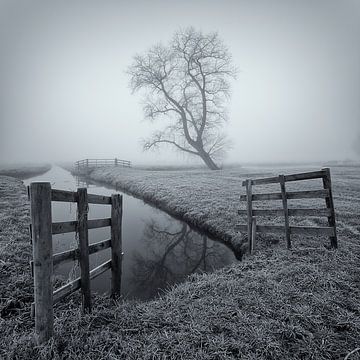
(286, 212)
(116, 162)
(40, 200)
(249, 207)
(253, 235)
(116, 244)
(84, 248)
(330, 205)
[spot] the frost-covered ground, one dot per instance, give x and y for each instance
(23, 171)
(277, 304)
(209, 200)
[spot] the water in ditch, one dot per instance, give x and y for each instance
(159, 250)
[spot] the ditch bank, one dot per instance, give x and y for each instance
(205, 203)
(23, 171)
(279, 304)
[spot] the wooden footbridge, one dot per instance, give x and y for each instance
(86, 164)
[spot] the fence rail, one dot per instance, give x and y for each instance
(91, 163)
(326, 193)
(42, 228)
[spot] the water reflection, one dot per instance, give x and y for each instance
(159, 250)
(170, 253)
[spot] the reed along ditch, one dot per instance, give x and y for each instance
(159, 250)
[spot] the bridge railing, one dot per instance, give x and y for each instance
(87, 163)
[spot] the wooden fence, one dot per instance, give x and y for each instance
(325, 193)
(93, 163)
(42, 228)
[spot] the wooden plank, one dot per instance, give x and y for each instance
(277, 229)
(64, 227)
(263, 181)
(286, 214)
(308, 230)
(100, 269)
(267, 196)
(305, 176)
(292, 177)
(309, 212)
(101, 245)
(98, 199)
(40, 205)
(31, 262)
(262, 228)
(74, 285)
(330, 205)
(62, 195)
(253, 236)
(312, 194)
(305, 230)
(116, 244)
(70, 226)
(291, 212)
(72, 255)
(84, 248)
(263, 212)
(98, 223)
(249, 207)
(66, 290)
(30, 233)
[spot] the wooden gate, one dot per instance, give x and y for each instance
(42, 228)
(326, 193)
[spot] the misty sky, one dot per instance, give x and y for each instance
(64, 93)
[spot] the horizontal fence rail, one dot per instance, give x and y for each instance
(72, 226)
(278, 229)
(68, 196)
(294, 177)
(291, 212)
(91, 163)
(326, 193)
(313, 194)
(42, 228)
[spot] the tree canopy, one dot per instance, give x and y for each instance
(186, 82)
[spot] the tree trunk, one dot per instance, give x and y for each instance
(208, 160)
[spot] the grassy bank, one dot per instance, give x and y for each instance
(277, 304)
(208, 200)
(15, 253)
(23, 171)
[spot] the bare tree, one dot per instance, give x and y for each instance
(187, 83)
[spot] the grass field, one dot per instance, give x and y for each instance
(276, 304)
(23, 171)
(209, 200)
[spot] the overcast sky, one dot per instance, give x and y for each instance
(64, 93)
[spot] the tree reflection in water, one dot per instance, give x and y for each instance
(172, 253)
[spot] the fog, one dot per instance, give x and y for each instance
(64, 91)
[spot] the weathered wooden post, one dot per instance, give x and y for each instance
(87, 163)
(116, 162)
(253, 235)
(116, 244)
(249, 208)
(40, 200)
(84, 248)
(286, 211)
(330, 205)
